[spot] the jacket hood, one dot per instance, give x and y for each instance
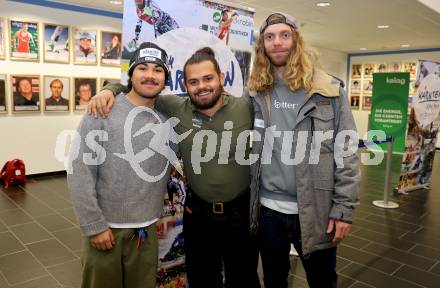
(323, 84)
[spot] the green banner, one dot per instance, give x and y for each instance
(390, 106)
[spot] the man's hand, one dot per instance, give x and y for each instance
(103, 241)
(341, 230)
(101, 104)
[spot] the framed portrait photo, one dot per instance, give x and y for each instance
(381, 68)
(85, 88)
(111, 48)
(85, 50)
(25, 93)
(105, 81)
(366, 103)
(3, 100)
(56, 46)
(2, 39)
(355, 86)
(356, 71)
(355, 102)
(56, 94)
(368, 70)
(410, 67)
(368, 86)
(394, 67)
(23, 38)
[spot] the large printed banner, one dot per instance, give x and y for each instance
(390, 106)
(423, 126)
(183, 26)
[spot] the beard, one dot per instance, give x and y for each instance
(209, 103)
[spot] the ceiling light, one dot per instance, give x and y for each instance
(404, 45)
(115, 2)
(383, 26)
(323, 4)
(363, 49)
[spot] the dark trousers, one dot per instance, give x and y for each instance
(276, 232)
(217, 241)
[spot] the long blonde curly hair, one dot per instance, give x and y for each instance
(298, 73)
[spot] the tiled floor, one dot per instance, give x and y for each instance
(40, 241)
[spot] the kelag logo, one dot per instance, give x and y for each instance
(216, 17)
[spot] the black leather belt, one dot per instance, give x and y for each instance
(197, 204)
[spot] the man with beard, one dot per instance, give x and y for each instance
(117, 207)
(308, 204)
(216, 217)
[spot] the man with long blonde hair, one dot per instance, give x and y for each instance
(306, 201)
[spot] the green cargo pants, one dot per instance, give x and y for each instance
(123, 266)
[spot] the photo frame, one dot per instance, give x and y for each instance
(356, 71)
(395, 67)
(84, 89)
(355, 102)
(2, 39)
(381, 68)
(111, 48)
(56, 43)
(368, 70)
(25, 90)
(367, 86)
(410, 67)
(85, 49)
(24, 41)
(366, 103)
(355, 86)
(56, 96)
(3, 98)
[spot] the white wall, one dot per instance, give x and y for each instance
(333, 62)
(361, 117)
(32, 137)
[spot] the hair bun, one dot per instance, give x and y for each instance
(206, 51)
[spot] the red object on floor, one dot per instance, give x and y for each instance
(13, 173)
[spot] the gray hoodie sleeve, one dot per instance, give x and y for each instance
(82, 181)
(347, 178)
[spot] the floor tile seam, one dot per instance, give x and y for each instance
(419, 270)
(432, 267)
(12, 253)
(393, 276)
(59, 264)
(24, 223)
(47, 206)
(374, 241)
(30, 280)
(50, 233)
(36, 259)
(404, 231)
(398, 221)
(363, 283)
(399, 250)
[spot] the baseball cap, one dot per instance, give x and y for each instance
(149, 52)
(279, 17)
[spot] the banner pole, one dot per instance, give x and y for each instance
(385, 203)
